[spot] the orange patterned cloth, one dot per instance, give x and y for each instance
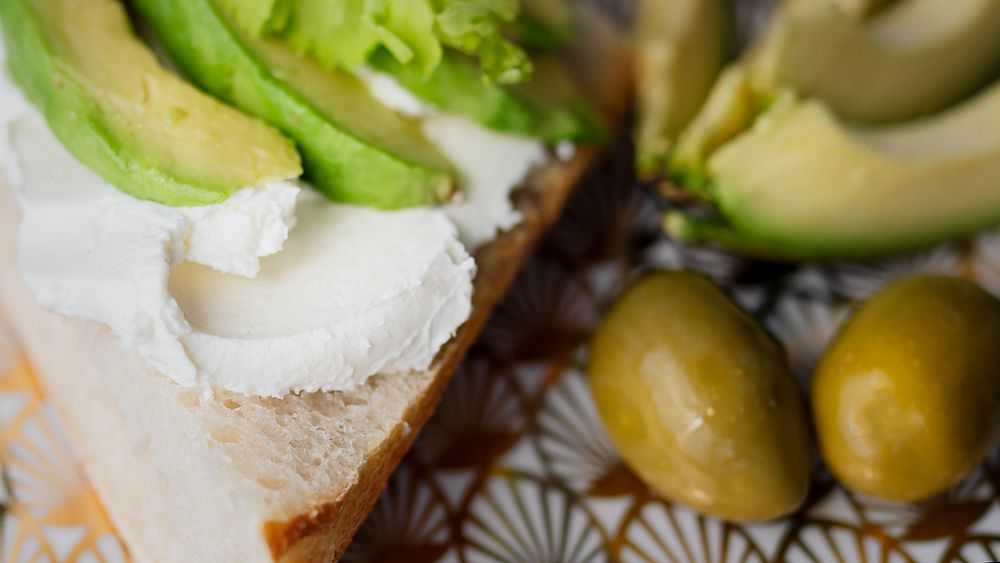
(50, 513)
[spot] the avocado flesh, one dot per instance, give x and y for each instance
(803, 184)
(915, 57)
(544, 24)
(346, 101)
(730, 109)
(141, 128)
(860, 9)
(856, 9)
(354, 150)
(681, 45)
(548, 107)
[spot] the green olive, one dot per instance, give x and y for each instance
(700, 400)
(907, 398)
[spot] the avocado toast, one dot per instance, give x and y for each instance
(191, 471)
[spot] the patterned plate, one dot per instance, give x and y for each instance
(515, 465)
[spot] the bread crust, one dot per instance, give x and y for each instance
(324, 532)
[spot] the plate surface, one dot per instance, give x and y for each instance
(515, 465)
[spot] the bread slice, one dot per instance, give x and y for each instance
(188, 476)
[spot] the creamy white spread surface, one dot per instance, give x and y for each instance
(274, 290)
(490, 164)
(355, 292)
(216, 296)
(88, 250)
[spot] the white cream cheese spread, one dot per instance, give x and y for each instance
(88, 250)
(490, 164)
(230, 295)
(353, 293)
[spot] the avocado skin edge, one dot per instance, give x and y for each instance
(665, 111)
(74, 120)
(753, 239)
(456, 86)
(338, 164)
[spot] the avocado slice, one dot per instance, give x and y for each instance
(681, 45)
(731, 107)
(544, 25)
(354, 149)
(861, 9)
(915, 57)
(141, 128)
(856, 9)
(802, 183)
(548, 107)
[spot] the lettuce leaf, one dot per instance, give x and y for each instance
(344, 34)
(475, 27)
(256, 17)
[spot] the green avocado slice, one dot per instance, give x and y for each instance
(855, 9)
(730, 109)
(138, 126)
(544, 25)
(801, 183)
(681, 46)
(912, 58)
(869, 70)
(354, 149)
(860, 9)
(548, 107)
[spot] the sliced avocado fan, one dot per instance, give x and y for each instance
(140, 127)
(803, 184)
(910, 58)
(354, 149)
